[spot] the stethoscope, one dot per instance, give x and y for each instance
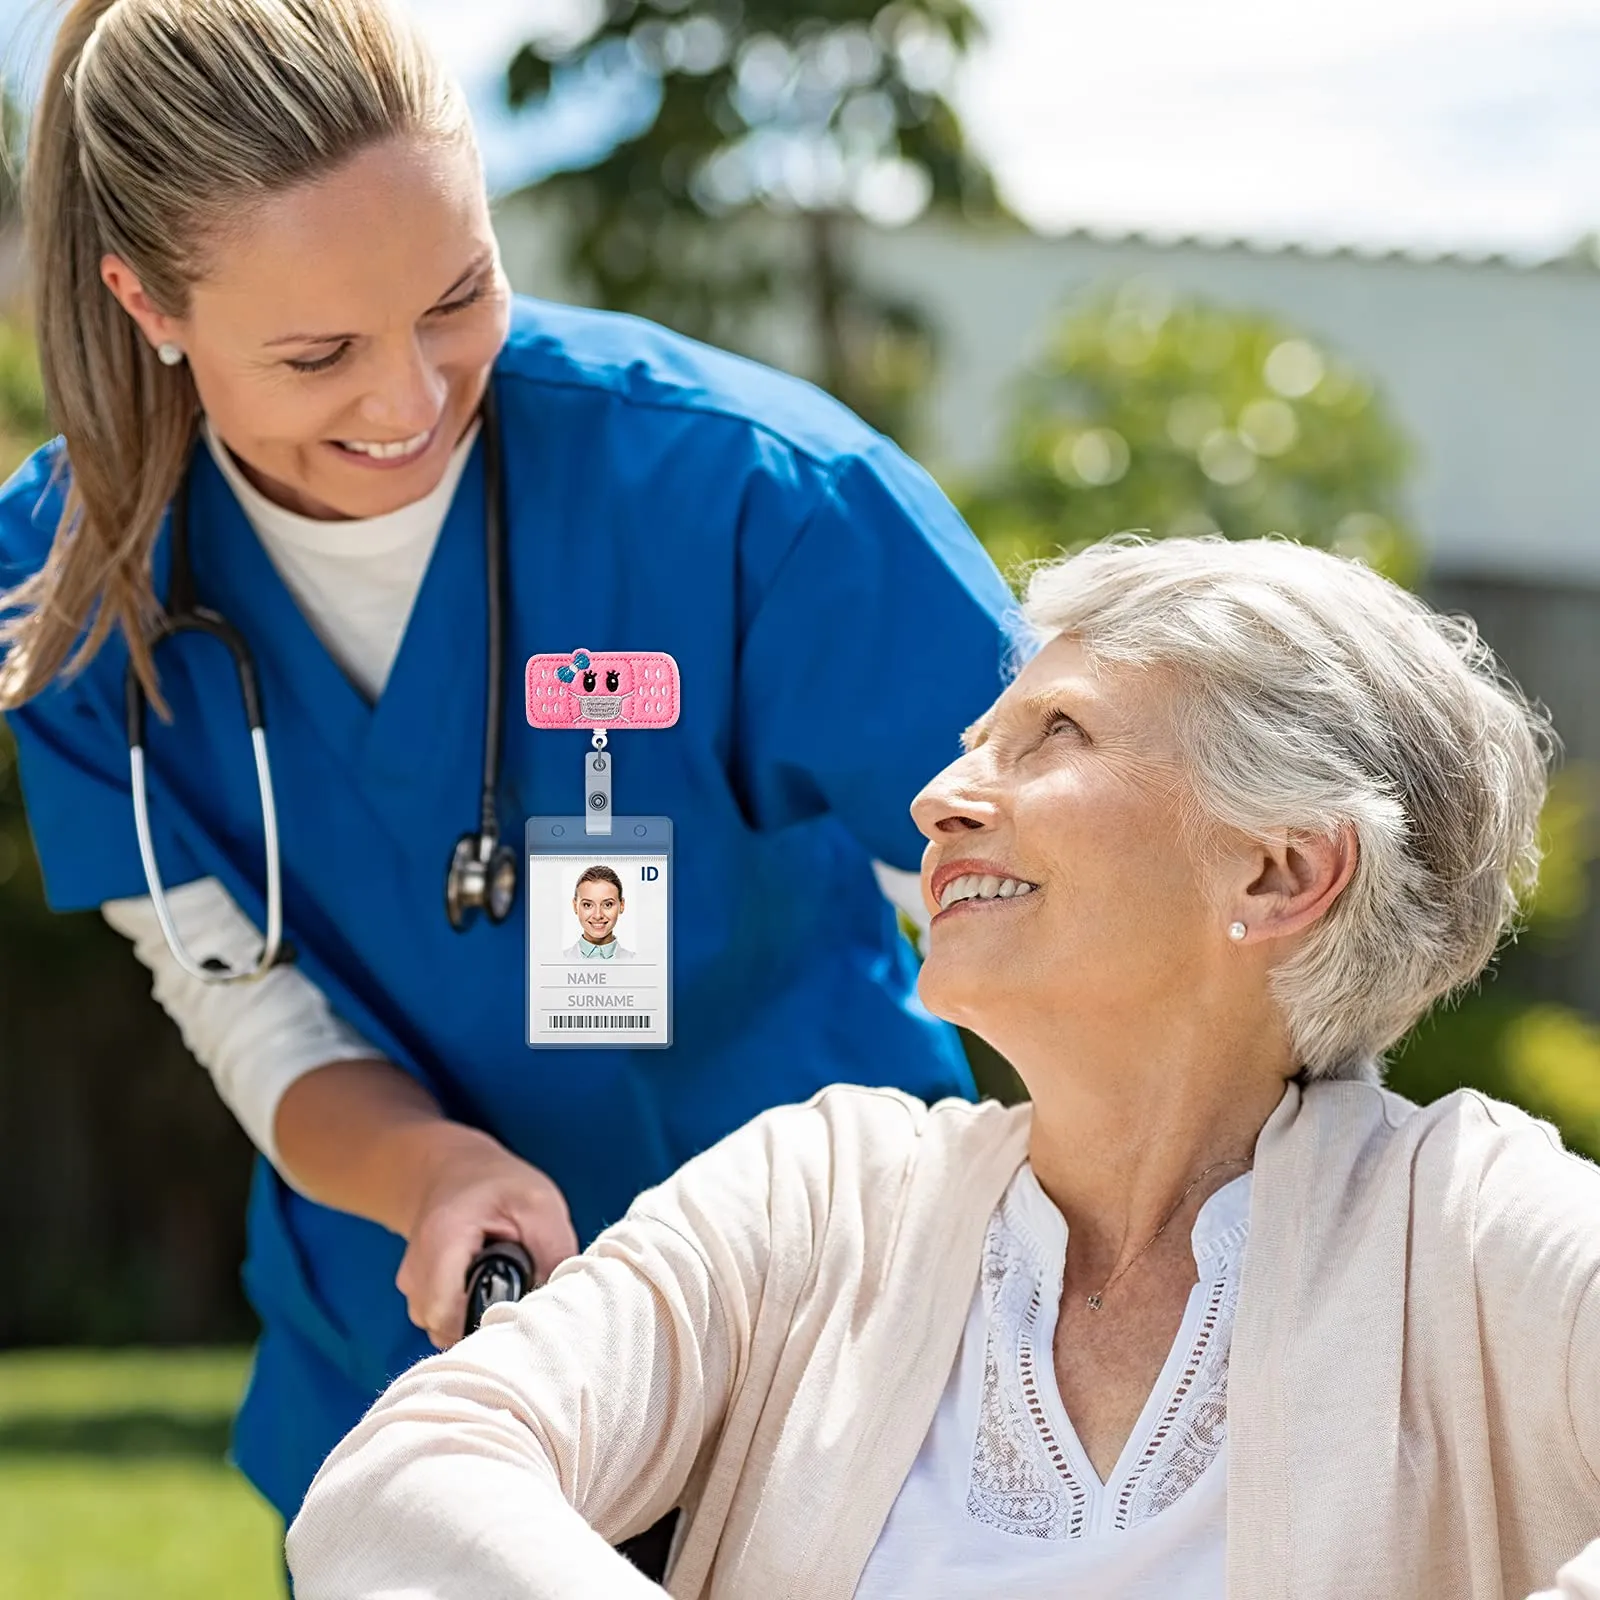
(483, 871)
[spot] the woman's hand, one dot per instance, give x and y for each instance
(362, 1137)
(471, 1190)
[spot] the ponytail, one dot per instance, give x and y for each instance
(158, 121)
(127, 420)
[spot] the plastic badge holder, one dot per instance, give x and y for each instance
(577, 995)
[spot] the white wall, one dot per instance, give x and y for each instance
(1494, 369)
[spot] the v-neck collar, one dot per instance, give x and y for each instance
(444, 637)
(1038, 1231)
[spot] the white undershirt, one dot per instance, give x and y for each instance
(1002, 1499)
(356, 583)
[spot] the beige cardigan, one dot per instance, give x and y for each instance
(1414, 1403)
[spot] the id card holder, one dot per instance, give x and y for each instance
(599, 933)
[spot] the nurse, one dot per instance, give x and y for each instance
(268, 291)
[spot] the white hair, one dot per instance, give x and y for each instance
(1315, 695)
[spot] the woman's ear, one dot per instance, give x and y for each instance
(1299, 879)
(129, 293)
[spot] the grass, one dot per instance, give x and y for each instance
(113, 1483)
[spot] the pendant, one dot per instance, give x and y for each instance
(1094, 1302)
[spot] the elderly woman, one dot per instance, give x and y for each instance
(1215, 1314)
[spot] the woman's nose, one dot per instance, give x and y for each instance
(408, 394)
(951, 803)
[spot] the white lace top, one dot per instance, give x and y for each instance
(1002, 1499)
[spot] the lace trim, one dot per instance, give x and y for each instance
(1184, 1442)
(1021, 1480)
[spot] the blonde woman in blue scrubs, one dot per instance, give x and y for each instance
(266, 284)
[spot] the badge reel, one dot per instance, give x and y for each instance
(600, 885)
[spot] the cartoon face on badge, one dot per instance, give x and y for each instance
(600, 684)
(619, 689)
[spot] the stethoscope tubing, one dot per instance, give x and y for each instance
(214, 971)
(186, 616)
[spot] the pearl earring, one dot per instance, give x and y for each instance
(1237, 931)
(171, 355)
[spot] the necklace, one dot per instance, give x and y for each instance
(1098, 1299)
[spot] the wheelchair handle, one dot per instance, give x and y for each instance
(502, 1271)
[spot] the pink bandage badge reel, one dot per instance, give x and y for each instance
(599, 884)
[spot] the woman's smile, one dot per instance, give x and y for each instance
(388, 456)
(973, 885)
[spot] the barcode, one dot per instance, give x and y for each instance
(603, 1019)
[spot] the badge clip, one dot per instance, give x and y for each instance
(597, 787)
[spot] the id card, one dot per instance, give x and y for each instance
(599, 933)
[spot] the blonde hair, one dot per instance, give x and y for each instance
(1315, 695)
(160, 123)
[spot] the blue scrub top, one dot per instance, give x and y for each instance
(836, 626)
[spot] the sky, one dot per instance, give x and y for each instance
(1455, 124)
(1426, 124)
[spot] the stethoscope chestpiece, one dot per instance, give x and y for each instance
(482, 877)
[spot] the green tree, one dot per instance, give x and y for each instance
(1176, 416)
(771, 112)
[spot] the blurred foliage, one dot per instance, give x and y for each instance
(1498, 1037)
(1174, 416)
(23, 425)
(1570, 840)
(787, 108)
(13, 132)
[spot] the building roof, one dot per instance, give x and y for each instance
(1582, 257)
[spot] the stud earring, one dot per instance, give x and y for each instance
(170, 355)
(1237, 931)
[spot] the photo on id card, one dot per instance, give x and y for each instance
(599, 933)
